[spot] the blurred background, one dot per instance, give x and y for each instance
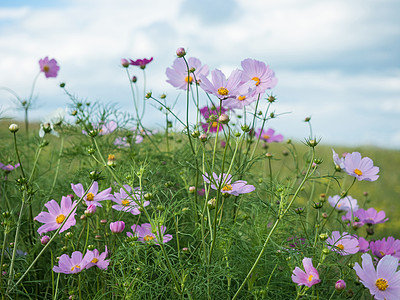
(336, 61)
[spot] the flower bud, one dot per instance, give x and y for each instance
(203, 137)
(340, 285)
(323, 236)
(68, 235)
(13, 128)
(62, 85)
(91, 247)
(124, 62)
(163, 96)
(91, 151)
(195, 134)
(74, 112)
(44, 240)
(134, 79)
(299, 210)
(268, 155)
(148, 95)
(307, 119)
(224, 119)
(148, 196)
(185, 250)
(91, 209)
(318, 205)
(180, 52)
(97, 237)
(326, 251)
(192, 189)
(271, 99)
(211, 203)
(111, 160)
(325, 215)
(245, 128)
(117, 227)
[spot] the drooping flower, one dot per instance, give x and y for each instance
(258, 72)
(371, 216)
(269, 135)
(129, 203)
(117, 227)
(145, 233)
(141, 62)
(56, 215)
(344, 243)
(98, 260)
(339, 161)
(74, 264)
(49, 67)
(309, 277)
(211, 115)
(384, 282)
(360, 168)
(221, 87)
(178, 75)
(9, 167)
(227, 187)
(93, 196)
(389, 246)
(347, 203)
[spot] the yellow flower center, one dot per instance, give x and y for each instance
(46, 68)
(60, 219)
(95, 260)
(339, 205)
(381, 284)
(257, 80)
(227, 187)
(241, 98)
(266, 136)
(223, 91)
(340, 246)
(125, 202)
(382, 253)
(310, 278)
(89, 197)
(358, 172)
(76, 266)
(189, 79)
(111, 157)
(148, 238)
(214, 124)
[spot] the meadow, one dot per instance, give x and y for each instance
(223, 206)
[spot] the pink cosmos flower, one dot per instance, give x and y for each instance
(93, 196)
(339, 161)
(98, 260)
(117, 227)
(383, 247)
(128, 203)
(353, 218)
(125, 143)
(309, 277)
(360, 168)
(9, 167)
(206, 112)
(364, 244)
(74, 264)
(221, 87)
(236, 188)
(269, 135)
(141, 62)
(347, 203)
(56, 215)
(259, 73)
(145, 233)
(245, 96)
(103, 128)
(178, 74)
(371, 216)
(49, 67)
(384, 282)
(344, 243)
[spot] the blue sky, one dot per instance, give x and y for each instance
(336, 61)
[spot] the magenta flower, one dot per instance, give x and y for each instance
(371, 216)
(309, 277)
(128, 203)
(339, 161)
(360, 168)
(93, 196)
(383, 247)
(384, 282)
(117, 227)
(221, 87)
(346, 204)
(344, 243)
(141, 62)
(9, 167)
(178, 74)
(236, 188)
(98, 260)
(269, 135)
(74, 264)
(206, 112)
(49, 67)
(56, 215)
(258, 72)
(145, 233)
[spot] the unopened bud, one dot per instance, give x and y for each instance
(134, 79)
(148, 95)
(13, 128)
(124, 62)
(44, 240)
(192, 189)
(224, 119)
(211, 203)
(340, 285)
(271, 99)
(323, 236)
(180, 52)
(203, 137)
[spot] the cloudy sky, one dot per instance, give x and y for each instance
(336, 61)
